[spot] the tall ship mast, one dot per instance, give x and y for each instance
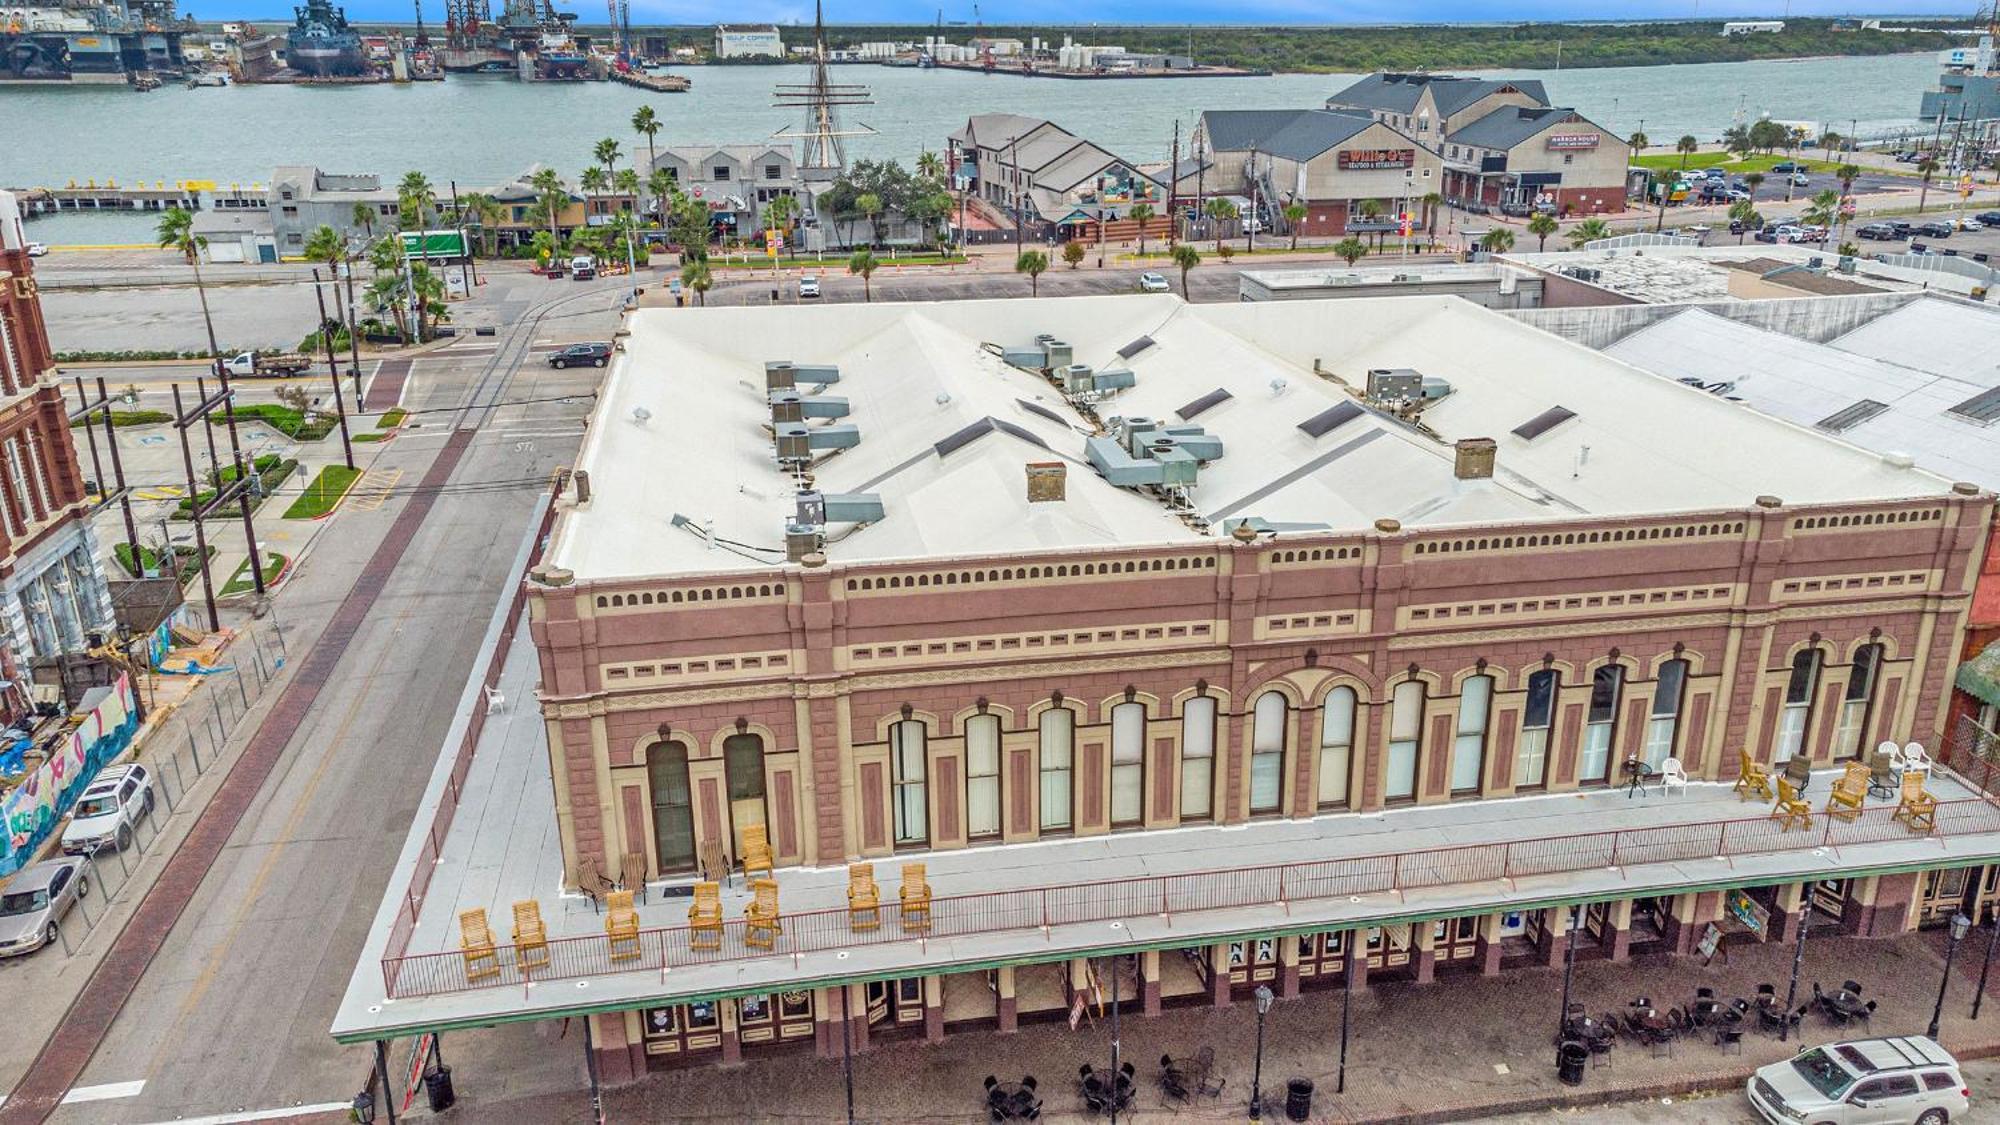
(90, 41)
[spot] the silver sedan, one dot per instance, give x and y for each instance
(36, 900)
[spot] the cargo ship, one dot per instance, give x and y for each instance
(90, 41)
(321, 45)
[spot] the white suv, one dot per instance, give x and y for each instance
(1905, 1081)
(109, 809)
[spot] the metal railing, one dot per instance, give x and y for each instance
(662, 949)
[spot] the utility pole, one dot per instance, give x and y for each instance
(84, 408)
(333, 372)
(1173, 187)
(1250, 220)
(181, 422)
(1014, 183)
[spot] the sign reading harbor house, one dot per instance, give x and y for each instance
(1362, 159)
(1573, 140)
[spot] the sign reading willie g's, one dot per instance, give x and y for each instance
(1363, 159)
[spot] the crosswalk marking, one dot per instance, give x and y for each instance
(109, 1091)
(372, 490)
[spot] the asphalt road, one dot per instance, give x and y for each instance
(232, 1015)
(1733, 1109)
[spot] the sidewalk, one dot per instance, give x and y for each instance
(1460, 1048)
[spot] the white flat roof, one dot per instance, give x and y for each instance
(1810, 383)
(915, 375)
(1429, 273)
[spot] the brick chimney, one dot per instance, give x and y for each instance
(1473, 458)
(1046, 480)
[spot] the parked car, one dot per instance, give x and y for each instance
(1768, 234)
(1253, 225)
(1517, 209)
(1971, 222)
(36, 900)
(1901, 1079)
(1785, 166)
(579, 355)
(1738, 195)
(1800, 179)
(1903, 228)
(109, 810)
(1152, 283)
(1935, 230)
(37, 249)
(1810, 233)
(808, 287)
(1988, 218)
(1713, 173)
(583, 267)
(1876, 232)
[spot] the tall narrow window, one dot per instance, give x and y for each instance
(1538, 713)
(1267, 751)
(1601, 724)
(743, 767)
(673, 806)
(1663, 728)
(1855, 704)
(1198, 758)
(1128, 763)
(1468, 748)
(1797, 715)
(1058, 730)
(982, 777)
(910, 773)
(1336, 746)
(1406, 729)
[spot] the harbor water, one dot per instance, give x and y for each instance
(479, 130)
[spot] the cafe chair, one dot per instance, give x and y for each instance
(591, 880)
(705, 917)
(1798, 770)
(1867, 1013)
(1849, 793)
(1851, 987)
(1883, 766)
(632, 873)
(621, 925)
(1914, 758)
(1729, 1039)
(1673, 776)
(1790, 810)
(1751, 780)
(475, 944)
(1917, 809)
(756, 852)
(531, 938)
(864, 898)
(915, 897)
(760, 919)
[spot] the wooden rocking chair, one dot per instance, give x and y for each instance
(1751, 779)
(621, 925)
(756, 855)
(531, 937)
(1790, 810)
(705, 917)
(864, 898)
(760, 919)
(475, 943)
(915, 894)
(1917, 809)
(1849, 792)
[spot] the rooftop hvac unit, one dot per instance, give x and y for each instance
(1846, 264)
(791, 406)
(795, 441)
(1385, 383)
(1027, 359)
(1075, 377)
(801, 539)
(781, 373)
(1055, 353)
(1815, 263)
(819, 508)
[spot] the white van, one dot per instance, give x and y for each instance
(583, 267)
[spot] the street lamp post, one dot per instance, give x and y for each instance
(1263, 997)
(1346, 1004)
(1569, 967)
(1959, 925)
(1798, 962)
(847, 1053)
(1986, 966)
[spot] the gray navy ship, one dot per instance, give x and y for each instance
(321, 44)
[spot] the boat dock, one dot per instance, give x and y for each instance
(90, 196)
(1107, 75)
(657, 83)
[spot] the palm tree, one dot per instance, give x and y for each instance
(696, 276)
(863, 265)
(1221, 211)
(415, 198)
(870, 205)
(428, 289)
(1187, 258)
(1929, 167)
(1499, 240)
(363, 216)
(1638, 141)
(606, 152)
(646, 123)
(662, 186)
(328, 245)
(930, 166)
(485, 214)
(1141, 213)
(1295, 217)
(1743, 213)
(1823, 209)
(1542, 226)
(1754, 181)
(176, 232)
(1589, 230)
(1687, 146)
(625, 182)
(1371, 210)
(552, 198)
(1431, 201)
(1033, 263)
(593, 181)
(1351, 249)
(780, 213)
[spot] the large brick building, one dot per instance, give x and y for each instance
(52, 590)
(1265, 633)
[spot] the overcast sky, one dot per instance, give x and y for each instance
(1067, 13)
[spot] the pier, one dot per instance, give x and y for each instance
(657, 83)
(90, 196)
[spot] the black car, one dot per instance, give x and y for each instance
(1786, 166)
(595, 355)
(1766, 236)
(1988, 218)
(1935, 230)
(1901, 226)
(1879, 232)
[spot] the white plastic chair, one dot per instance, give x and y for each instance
(495, 700)
(1673, 775)
(1914, 758)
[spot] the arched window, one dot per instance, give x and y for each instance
(743, 765)
(1468, 747)
(1198, 758)
(909, 767)
(1606, 685)
(1336, 746)
(673, 806)
(1267, 751)
(982, 777)
(1849, 735)
(1538, 714)
(1797, 714)
(1058, 739)
(1663, 728)
(1128, 764)
(1406, 736)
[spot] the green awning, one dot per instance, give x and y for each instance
(1979, 677)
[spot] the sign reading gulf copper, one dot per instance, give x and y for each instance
(1364, 159)
(1573, 140)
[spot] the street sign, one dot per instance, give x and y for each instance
(773, 241)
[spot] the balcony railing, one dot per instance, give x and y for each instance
(1030, 910)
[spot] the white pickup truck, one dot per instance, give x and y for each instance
(252, 365)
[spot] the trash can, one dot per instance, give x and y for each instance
(437, 1087)
(1298, 1099)
(1570, 1060)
